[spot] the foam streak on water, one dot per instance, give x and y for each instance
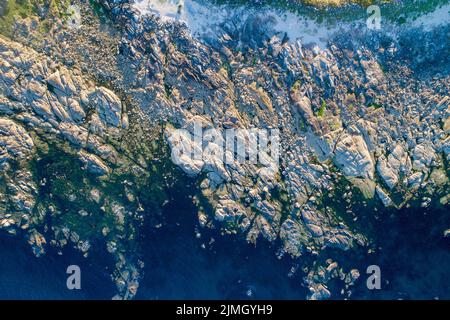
(440, 16)
(204, 19)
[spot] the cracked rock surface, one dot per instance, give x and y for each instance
(357, 119)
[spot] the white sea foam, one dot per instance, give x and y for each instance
(203, 19)
(438, 17)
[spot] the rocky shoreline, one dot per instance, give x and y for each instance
(365, 119)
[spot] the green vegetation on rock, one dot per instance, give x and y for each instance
(322, 109)
(45, 10)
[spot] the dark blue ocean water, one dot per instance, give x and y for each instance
(23, 276)
(414, 261)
